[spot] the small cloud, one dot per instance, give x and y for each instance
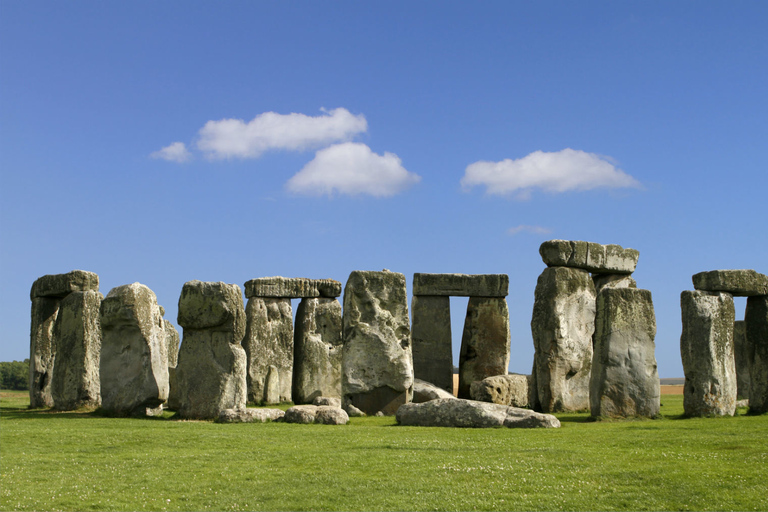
(523, 228)
(554, 172)
(176, 152)
(352, 168)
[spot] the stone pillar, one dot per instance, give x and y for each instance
(211, 371)
(269, 342)
(484, 342)
(706, 346)
(756, 323)
(562, 326)
(624, 381)
(172, 340)
(377, 364)
(431, 333)
(317, 346)
(741, 352)
(134, 352)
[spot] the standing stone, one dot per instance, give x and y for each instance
(269, 342)
(317, 346)
(377, 364)
(562, 326)
(211, 370)
(77, 335)
(706, 346)
(272, 386)
(624, 381)
(743, 358)
(432, 350)
(172, 343)
(484, 343)
(42, 350)
(756, 323)
(134, 351)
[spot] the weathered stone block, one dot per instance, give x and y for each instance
(624, 381)
(484, 342)
(562, 326)
(377, 363)
(269, 342)
(461, 285)
(322, 414)
(452, 412)
(317, 350)
(742, 283)
(613, 281)
(292, 288)
(250, 415)
(743, 358)
(706, 347)
(212, 305)
(42, 350)
(432, 342)
(61, 285)
(509, 389)
(602, 259)
(756, 325)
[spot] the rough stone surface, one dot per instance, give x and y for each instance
(484, 342)
(377, 364)
(77, 332)
(330, 401)
(172, 343)
(602, 259)
(562, 326)
(756, 324)
(211, 372)
(743, 358)
(42, 350)
(292, 288)
(317, 350)
(173, 391)
(461, 285)
(706, 347)
(624, 381)
(272, 386)
(269, 342)
(742, 283)
(613, 281)
(316, 414)
(509, 389)
(134, 351)
(446, 412)
(432, 342)
(250, 415)
(426, 391)
(61, 285)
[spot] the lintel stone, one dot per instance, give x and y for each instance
(292, 288)
(61, 285)
(461, 285)
(589, 256)
(742, 283)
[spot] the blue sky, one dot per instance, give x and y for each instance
(155, 142)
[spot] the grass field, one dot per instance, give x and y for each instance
(73, 461)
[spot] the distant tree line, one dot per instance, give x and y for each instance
(14, 375)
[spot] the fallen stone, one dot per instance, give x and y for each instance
(250, 415)
(317, 350)
(756, 325)
(484, 342)
(269, 342)
(353, 411)
(325, 415)
(446, 412)
(425, 391)
(61, 285)
(613, 281)
(461, 285)
(706, 346)
(330, 401)
(432, 342)
(742, 357)
(624, 381)
(742, 283)
(292, 288)
(509, 389)
(602, 259)
(42, 350)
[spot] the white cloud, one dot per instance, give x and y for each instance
(234, 138)
(176, 152)
(539, 230)
(555, 172)
(352, 168)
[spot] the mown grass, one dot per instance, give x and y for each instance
(72, 461)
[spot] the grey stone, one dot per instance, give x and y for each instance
(743, 358)
(706, 347)
(61, 285)
(330, 401)
(292, 288)
(624, 381)
(42, 350)
(484, 342)
(377, 364)
(331, 416)
(509, 389)
(134, 351)
(742, 283)
(272, 386)
(301, 414)
(210, 375)
(317, 350)
(447, 412)
(425, 391)
(756, 324)
(269, 342)
(562, 326)
(613, 281)
(172, 343)
(602, 259)
(250, 415)
(461, 285)
(174, 399)
(353, 411)
(77, 335)
(432, 342)
(740, 404)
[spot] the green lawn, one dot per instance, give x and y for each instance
(71, 461)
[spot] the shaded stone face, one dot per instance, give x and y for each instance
(756, 326)
(742, 283)
(432, 342)
(562, 325)
(42, 350)
(292, 288)
(317, 350)
(503, 389)
(613, 281)
(461, 285)
(741, 352)
(602, 259)
(61, 285)
(706, 347)
(484, 343)
(624, 381)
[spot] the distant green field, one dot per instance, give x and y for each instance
(73, 461)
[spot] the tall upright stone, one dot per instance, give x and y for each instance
(756, 326)
(317, 350)
(172, 343)
(134, 352)
(377, 364)
(432, 342)
(624, 381)
(211, 371)
(706, 347)
(484, 342)
(77, 335)
(269, 342)
(743, 358)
